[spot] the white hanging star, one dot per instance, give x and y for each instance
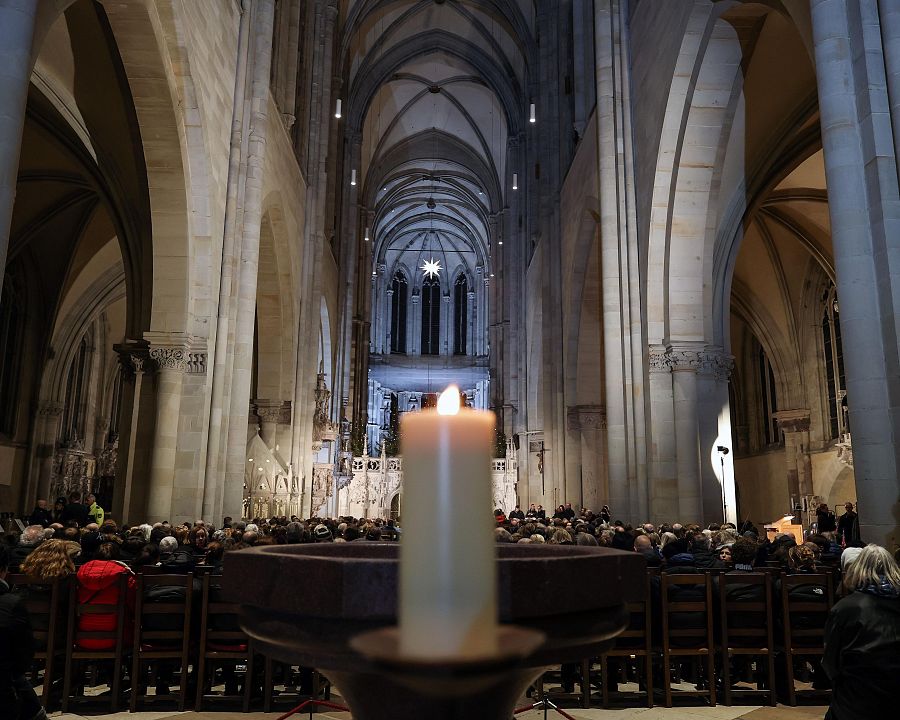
(431, 268)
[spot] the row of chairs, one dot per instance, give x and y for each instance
(164, 632)
(745, 629)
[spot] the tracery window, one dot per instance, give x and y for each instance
(11, 337)
(76, 388)
(399, 300)
(460, 314)
(770, 431)
(431, 317)
(834, 366)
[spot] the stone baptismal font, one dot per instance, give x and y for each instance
(449, 625)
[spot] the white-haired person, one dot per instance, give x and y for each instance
(862, 638)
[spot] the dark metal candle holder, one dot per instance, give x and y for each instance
(333, 606)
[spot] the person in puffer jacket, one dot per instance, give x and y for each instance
(97, 585)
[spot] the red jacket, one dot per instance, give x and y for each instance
(97, 586)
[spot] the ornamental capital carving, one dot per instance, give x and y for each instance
(178, 352)
(685, 360)
(169, 358)
(273, 411)
(659, 359)
(715, 361)
(793, 420)
(50, 409)
(586, 417)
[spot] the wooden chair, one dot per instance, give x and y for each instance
(583, 697)
(75, 651)
(804, 641)
(635, 642)
(217, 645)
(156, 644)
(696, 642)
(43, 599)
(746, 628)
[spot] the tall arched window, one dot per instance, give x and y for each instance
(770, 432)
(834, 365)
(11, 335)
(76, 386)
(460, 314)
(431, 317)
(398, 313)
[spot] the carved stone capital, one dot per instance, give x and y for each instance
(659, 359)
(178, 352)
(50, 409)
(273, 411)
(586, 417)
(793, 420)
(169, 358)
(715, 361)
(684, 360)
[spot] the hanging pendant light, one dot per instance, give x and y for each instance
(337, 109)
(366, 236)
(353, 177)
(515, 181)
(532, 117)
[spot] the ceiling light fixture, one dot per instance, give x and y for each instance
(353, 177)
(431, 268)
(366, 237)
(515, 181)
(337, 108)
(532, 117)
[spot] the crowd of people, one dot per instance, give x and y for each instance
(78, 539)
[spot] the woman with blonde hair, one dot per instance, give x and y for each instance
(51, 559)
(862, 638)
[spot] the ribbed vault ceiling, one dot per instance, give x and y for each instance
(434, 92)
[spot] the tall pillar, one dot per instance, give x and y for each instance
(470, 323)
(170, 363)
(49, 414)
(135, 367)
(663, 471)
(686, 362)
(16, 33)
(864, 208)
(232, 496)
(716, 466)
(795, 425)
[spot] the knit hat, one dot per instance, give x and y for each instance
(849, 555)
(322, 532)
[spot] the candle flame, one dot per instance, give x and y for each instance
(448, 402)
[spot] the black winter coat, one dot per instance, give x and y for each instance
(862, 656)
(16, 638)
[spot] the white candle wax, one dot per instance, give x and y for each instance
(448, 574)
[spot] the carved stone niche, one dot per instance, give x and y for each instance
(586, 417)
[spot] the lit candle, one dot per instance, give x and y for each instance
(448, 574)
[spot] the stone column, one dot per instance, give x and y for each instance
(663, 472)
(864, 207)
(383, 341)
(470, 323)
(16, 32)
(171, 364)
(447, 320)
(716, 467)
(414, 324)
(685, 364)
(795, 425)
(137, 364)
(271, 414)
(46, 433)
(590, 488)
(232, 496)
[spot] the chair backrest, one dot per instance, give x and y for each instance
(166, 617)
(640, 619)
(43, 601)
(804, 619)
(83, 639)
(745, 606)
(219, 627)
(688, 622)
